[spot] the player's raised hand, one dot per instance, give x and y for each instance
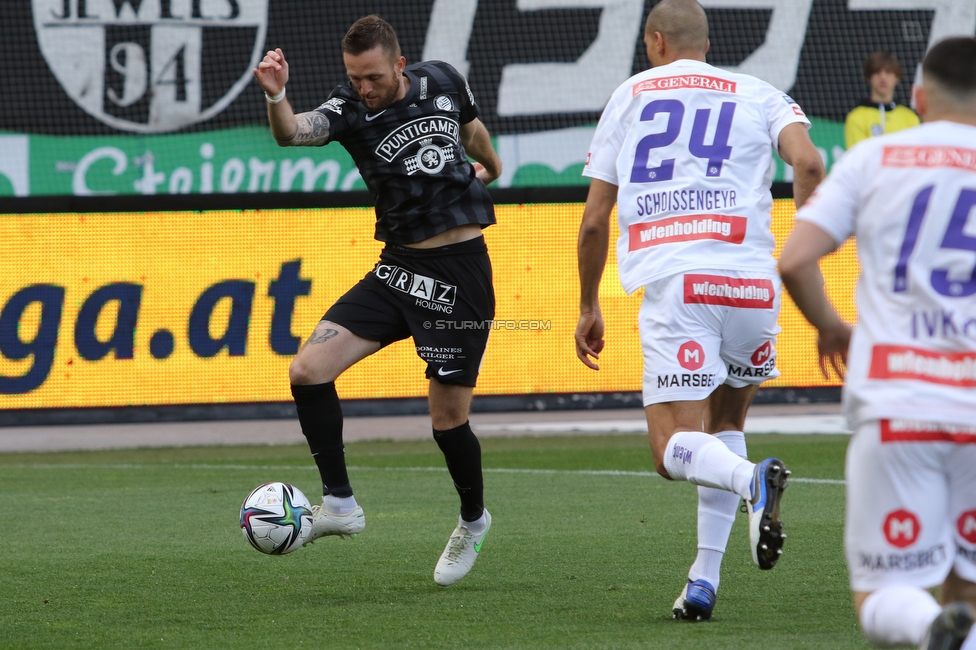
(272, 72)
(589, 338)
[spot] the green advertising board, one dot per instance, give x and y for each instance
(247, 160)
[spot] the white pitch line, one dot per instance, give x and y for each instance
(787, 424)
(292, 468)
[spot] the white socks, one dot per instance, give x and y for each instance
(898, 615)
(339, 505)
(477, 526)
(703, 459)
(716, 514)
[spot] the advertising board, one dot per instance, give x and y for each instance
(209, 307)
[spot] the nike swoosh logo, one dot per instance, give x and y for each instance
(442, 373)
(477, 546)
(370, 118)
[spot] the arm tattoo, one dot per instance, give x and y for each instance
(322, 336)
(313, 130)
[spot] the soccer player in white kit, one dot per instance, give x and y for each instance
(685, 150)
(910, 393)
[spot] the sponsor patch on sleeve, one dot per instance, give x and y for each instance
(334, 105)
(796, 107)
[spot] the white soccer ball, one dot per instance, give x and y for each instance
(276, 518)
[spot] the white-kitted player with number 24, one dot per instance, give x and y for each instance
(910, 392)
(685, 150)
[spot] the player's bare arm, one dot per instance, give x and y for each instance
(477, 144)
(592, 245)
(798, 151)
(289, 130)
(799, 266)
(311, 130)
(272, 75)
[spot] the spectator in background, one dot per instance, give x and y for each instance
(879, 114)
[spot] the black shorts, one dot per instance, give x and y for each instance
(442, 297)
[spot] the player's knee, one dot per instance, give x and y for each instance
(447, 417)
(298, 373)
(448, 413)
(301, 372)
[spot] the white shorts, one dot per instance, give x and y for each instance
(911, 506)
(700, 330)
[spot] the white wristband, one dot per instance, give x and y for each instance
(277, 98)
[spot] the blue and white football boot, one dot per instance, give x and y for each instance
(765, 526)
(951, 628)
(696, 602)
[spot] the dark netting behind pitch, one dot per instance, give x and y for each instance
(155, 97)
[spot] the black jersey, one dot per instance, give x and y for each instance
(410, 154)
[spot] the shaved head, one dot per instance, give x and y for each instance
(682, 22)
(948, 88)
(949, 69)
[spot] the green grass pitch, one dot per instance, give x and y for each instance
(588, 549)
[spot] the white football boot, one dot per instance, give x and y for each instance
(459, 555)
(325, 523)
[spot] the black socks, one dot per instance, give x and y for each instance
(462, 451)
(320, 415)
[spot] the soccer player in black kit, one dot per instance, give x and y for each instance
(409, 130)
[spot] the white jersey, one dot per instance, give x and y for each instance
(689, 147)
(910, 199)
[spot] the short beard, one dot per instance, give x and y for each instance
(385, 101)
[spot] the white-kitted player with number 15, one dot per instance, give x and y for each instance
(910, 392)
(685, 151)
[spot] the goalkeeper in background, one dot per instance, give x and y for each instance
(878, 114)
